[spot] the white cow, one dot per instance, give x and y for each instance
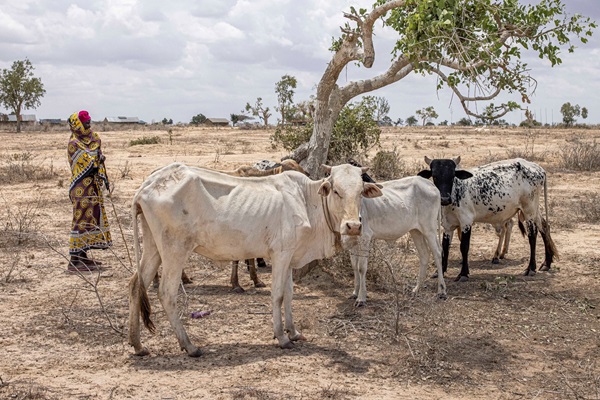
(409, 204)
(288, 218)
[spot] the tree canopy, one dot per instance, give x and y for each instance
(473, 47)
(19, 89)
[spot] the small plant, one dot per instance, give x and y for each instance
(581, 156)
(21, 222)
(125, 170)
(588, 208)
(145, 140)
(23, 167)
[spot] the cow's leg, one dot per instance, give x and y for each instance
(446, 242)
(433, 245)
(288, 294)
(532, 236)
(360, 261)
(149, 264)
(423, 253)
(281, 274)
(261, 263)
(167, 293)
(185, 279)
(549, 246)
(253, 274)
(508, 226)
(500, 232)
(235, 282)
(465, 242)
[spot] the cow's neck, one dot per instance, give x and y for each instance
(330, 223)
(328, 240)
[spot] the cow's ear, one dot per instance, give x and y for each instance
(371, 190)
(325, 188)
(326, 169)
(426, 173)
(428, 160)
(462, 174)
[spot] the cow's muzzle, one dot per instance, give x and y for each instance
(352, 228)
(446, 200)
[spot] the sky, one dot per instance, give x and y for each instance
(154, 59)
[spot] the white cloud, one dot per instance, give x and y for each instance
(156, 59)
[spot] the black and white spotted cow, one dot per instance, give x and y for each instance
(493, 193)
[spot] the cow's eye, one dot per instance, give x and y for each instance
(337, 193)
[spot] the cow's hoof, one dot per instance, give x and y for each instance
(461, 278)
(238, 289)
(354, 296)
(434, 276)
(260, 284)
(442, 296)
(287, 345)
(142, 353)
(529, 272)
(495, 260)
(358, 304)
(544, 267)
(195, 353)
(299, 337)
(186, 280)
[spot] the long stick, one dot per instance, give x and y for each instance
(109, 196)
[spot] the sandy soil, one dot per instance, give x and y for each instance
(498, 336)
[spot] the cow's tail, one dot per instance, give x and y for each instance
(144, 302)
(545, 228)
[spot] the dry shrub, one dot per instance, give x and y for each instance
(20, 222)
(388, 165)
(145, 140)
(588, 208)
(528, 152)
(24, 167)
(581, 156)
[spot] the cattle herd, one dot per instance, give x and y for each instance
(286, 217)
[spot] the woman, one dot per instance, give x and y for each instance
(89, 229)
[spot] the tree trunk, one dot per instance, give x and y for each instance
(318, 145)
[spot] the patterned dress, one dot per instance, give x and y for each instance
(89, 229)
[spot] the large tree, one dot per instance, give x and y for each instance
(260, 111)
(19, 89)
(474, 47)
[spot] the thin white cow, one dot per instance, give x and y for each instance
(288, 218)
(409, 204)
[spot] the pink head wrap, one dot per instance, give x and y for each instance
(84, 116)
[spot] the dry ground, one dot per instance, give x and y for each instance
(498, 336)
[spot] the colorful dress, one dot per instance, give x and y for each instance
(89, 229)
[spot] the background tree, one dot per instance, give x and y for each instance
(258, 110)
(355, 132)
(19, 89)
(198, 119)
(473, 47)
(166, 121)
(427, 114)
(236, 118)
(382, 108)
(464, 121)
(584, 112)
(399, 122)
(569, 113)
(411, 121)
(285, 96)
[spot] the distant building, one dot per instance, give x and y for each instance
(123, 120)
(52, 121)
(217, 121)
(11, 119)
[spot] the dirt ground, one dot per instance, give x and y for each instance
(498, 336)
